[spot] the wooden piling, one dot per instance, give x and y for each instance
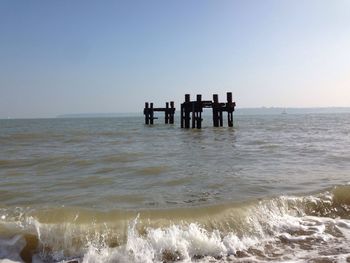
(230, 109)
(187, 110)
(146, 113)
(172, 112)
(215, 110)
(221, 122)
(199, 110)
(182, 117)
(151, 114)
(193, 110)
(167, 113)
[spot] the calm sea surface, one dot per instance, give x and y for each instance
(273, 187)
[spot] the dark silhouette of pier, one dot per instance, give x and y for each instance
(169, 113)
(191, 111)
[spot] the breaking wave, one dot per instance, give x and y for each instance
(286, 228)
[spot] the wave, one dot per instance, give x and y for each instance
(284, 228)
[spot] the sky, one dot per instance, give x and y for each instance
(81, 56)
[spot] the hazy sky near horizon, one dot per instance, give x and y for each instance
(59, 57)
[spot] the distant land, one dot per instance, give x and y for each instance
(99, 115)
(238, 111)
(280, 110)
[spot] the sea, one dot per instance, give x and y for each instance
(273, 188)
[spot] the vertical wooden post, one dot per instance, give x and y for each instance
(182, 115)
(151, 115)
(215, 110)
(229, 97)
(193, 109)
(146, 113)
(187, 108)
(221, 123)
(199, 110)
(171, 117)
(229, 107)
(167, 113)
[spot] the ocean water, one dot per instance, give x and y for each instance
(272, 188)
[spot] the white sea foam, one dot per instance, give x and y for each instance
(282, 237)
(174, 243)
(278, 229)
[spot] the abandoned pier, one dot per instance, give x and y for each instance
(191, 111)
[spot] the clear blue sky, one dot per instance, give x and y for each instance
(59, 57)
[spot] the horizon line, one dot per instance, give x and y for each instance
(132, 114)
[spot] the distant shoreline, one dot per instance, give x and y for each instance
(99, 115)
(286, 110)
(239, 111)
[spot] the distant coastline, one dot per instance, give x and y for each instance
(284, 110)
(99, 115)
(239, 111)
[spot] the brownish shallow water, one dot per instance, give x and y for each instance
(112, 190)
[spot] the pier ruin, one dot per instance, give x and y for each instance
(191, 111)
(169, 113)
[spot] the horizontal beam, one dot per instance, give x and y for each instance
(163, 109)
